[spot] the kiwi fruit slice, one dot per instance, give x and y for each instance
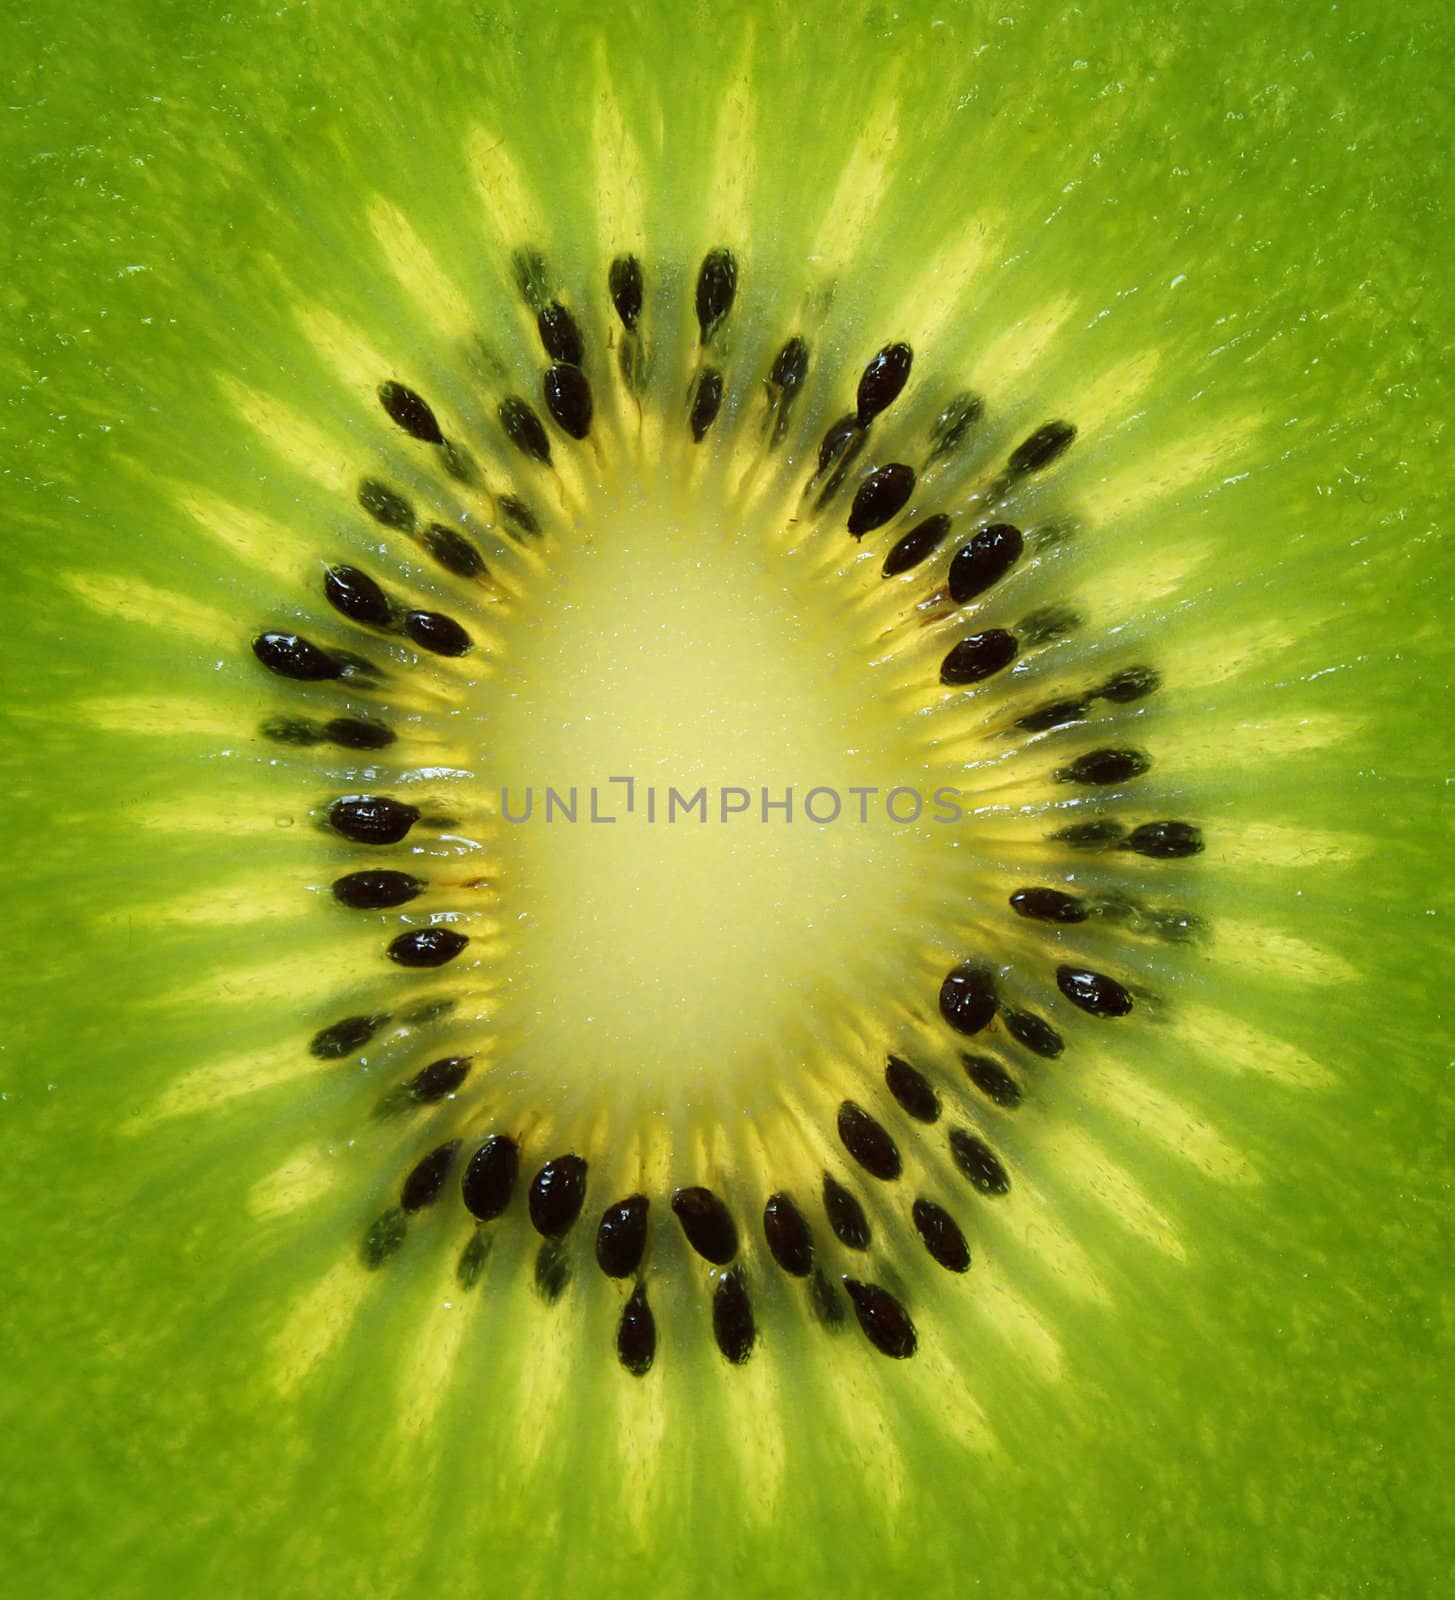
(724, 750)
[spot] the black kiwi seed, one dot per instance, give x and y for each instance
(992, 1080)
(1048, 905)
(386, 1233)
(553, 1270)
(372, 818)
(953, 423)
(292, 730)
(707, 1223)
(624, 282)
(568, 399)
(636, 1334)
(385, 506)
(882, 495)
(1094, 992)
(717, 287)
(985, 560)
(453, 551)
(941, 1236)
(885, 1322)
(422, 1186)
(489, 1179)
(732, 1317)
(868, 1143)
(342, 1038)
(789, 1236)
(409, 411)
(1035, 1033)
(1045, 445)
(621, 1236)
(355, 595)
(841, 443)
(377, 891)
(882, 380)
(556, 1194)
(1135, 683)
(524, 429)
(977, 657)
(912, 1090)
(967, 998)
(1088, 835)
(1165, 841)
(437, 633)
(426, 947)
(290, 655)
(1103, 767)
(790, 367)
(845, 1214)
(518, 514)
(917, 545)
(359, 733)
(560, 334)
(440, 1078)
(706, 403)
(1055, 714)
(978, 1162)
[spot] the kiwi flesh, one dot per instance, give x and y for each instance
(848, 1201)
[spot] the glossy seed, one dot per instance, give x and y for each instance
(845, 1214)
(917, 545)
(941, 1236)
(439, 1079)
(882, 495)
(524, 429)
(553, 1271)
(1048, 905)
(706, 402)
(868, 1143)
(1055, 714)
(357, 596)
(979, 1163)
(624, 282)
(519, 515)
(912, 1090)
(385, 506)
(1135, 683)
(621, 1236)
(954, 423)
(1045, 445)
(342, 1038)
(358, 733)
(377, 891)
(532, 277)
(409, 411)
(437, 633)
(1094, 992)
(717, 286)
(992, 1080)
(841, 443)
(560, 334)
(556, 1194)
(1088, 835)
(790, 367)
(372, 818)
(422, 1186)
(1165, 841)
(568, 399)
(984, 560)
(292, 730)
(1103, 767)
(707, 1223)
(882, 380)
(386, 1233)
(732, 1317)
(636, 1334)
(885, 1322)
(453, 551)
(489, 1179)
(789, 1236)
(977, 657)
(968, 998)
(1035, 1033)
(290, 655)
(426, 947)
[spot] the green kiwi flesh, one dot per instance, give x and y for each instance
(410, 1201)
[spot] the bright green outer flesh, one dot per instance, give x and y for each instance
(1255, 199)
